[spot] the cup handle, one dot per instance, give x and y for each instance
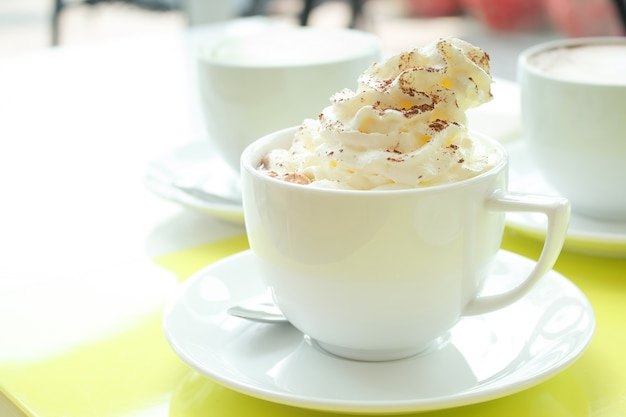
(557, 209)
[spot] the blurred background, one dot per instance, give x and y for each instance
(31, 25)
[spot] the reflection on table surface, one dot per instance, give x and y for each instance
(89, 256)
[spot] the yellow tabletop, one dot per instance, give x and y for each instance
(133, 372)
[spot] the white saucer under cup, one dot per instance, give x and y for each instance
(488, 356)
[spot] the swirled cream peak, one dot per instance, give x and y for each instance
(404, 127)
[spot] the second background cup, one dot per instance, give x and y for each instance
(255, 83)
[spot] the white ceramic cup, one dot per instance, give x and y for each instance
(381, 275)
(574, 121)
(251, 84)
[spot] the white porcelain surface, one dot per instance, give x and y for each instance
(575, 131)
(483, 357)
(585, 234)
(279, 77)
(196, 164)
(314, 243)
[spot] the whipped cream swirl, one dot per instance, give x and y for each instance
(404, 127)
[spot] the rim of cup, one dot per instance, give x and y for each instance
(368, 44)
(253, 153)
(523, 59)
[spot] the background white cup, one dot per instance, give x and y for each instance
(574, 121)
(380, 275)
(251, 84)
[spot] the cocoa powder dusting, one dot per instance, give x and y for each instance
(438, 125)
(295, 178)
(417, 109)
(395, 149)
